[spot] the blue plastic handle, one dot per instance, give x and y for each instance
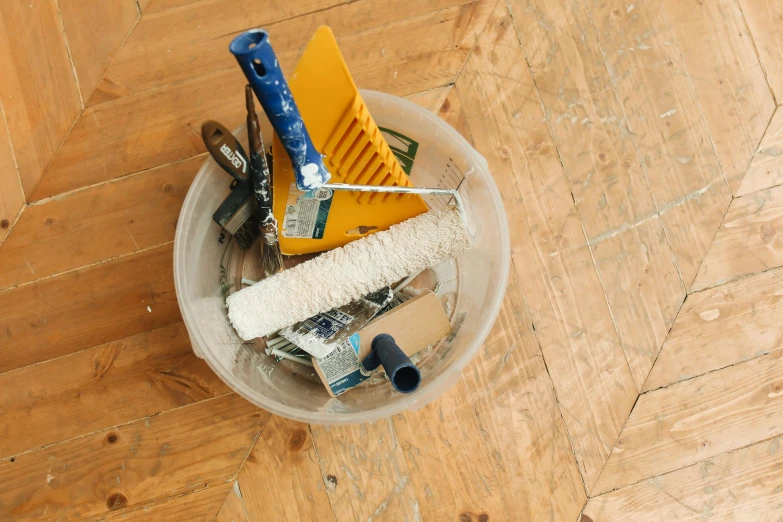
(403, 374)
(259, 63)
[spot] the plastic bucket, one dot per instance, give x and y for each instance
(208, 266)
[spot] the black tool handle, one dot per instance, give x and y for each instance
(226, 150)
(403, 374)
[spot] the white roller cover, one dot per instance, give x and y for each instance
(339, 276)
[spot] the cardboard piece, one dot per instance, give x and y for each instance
(415, 324)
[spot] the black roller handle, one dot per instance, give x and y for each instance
(405, 377)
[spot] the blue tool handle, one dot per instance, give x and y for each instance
(403, 374)
(259, 63)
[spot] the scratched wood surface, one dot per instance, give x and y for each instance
(766, 166)
(635, 369)
(38, 87)
(625, 234)
(727, 78)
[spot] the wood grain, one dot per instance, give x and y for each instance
(98, 223)
(154, 6)
(609, 187)
(433, 99)
(762, 17)
(722, 326)
(463, 434)
(11, 195)
(365, 472)
(148, 7)
(741, 485)
(233, 509)
(191, 41)
(451, 112)
(104, 386)
(665, 121)
(674, 427)
(514, 400)
(96, 30)
(163, 125)
(285, 461)
(87, 307)
(728, 79)
(749, 241)
(37, 88)
(573, 325)
(766, 166)
(200, 506)
(132, 465)
(449, 459)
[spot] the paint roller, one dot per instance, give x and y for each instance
(344, 274)
(339, 276)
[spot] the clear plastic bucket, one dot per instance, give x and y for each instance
(208, 266)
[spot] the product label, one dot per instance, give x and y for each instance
(306, 212)
(342, 369)
(325, 325)
(402, 147)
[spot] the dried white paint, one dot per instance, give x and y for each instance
(710, 315)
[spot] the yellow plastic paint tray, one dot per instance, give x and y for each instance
(342, 129)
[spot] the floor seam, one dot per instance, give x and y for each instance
(112, 426)
(91, 265)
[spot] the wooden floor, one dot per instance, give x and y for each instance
(635, 372)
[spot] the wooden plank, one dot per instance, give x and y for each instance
(761, 17)
(583, 353)
(721, 327)
(37, 88)
(104, 386)
(163, 125)
(666, 123)
(151, 459)
(141, 132)
(365, 472)
(191, 41)
(200, 506)
(728, 79)
(644, 290)
(95, 30)
(633, 257)
(766, 166)
(740, 485)
(148, 7)
(11, 195)
(87, 307)
(505, 395)
(285, 453)
(99, 223)
(749, 241)
(445, 439)
(233, 510)
(674, 427)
